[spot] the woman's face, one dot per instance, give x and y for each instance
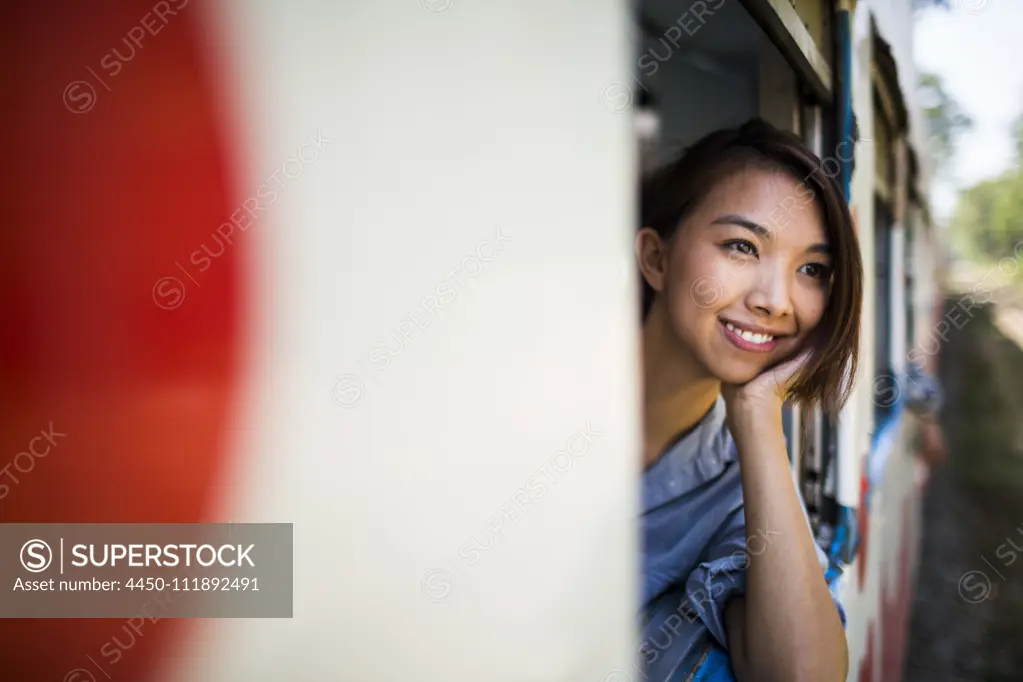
(746, 277)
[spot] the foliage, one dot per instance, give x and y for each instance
(946, 120)
(923, 4)
(988, 224)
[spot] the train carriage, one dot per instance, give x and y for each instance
(366, 268)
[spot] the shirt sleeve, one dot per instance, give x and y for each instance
(722, 574)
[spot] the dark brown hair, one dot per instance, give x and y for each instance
(670, 195)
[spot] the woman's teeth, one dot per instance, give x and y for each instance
(749, 336)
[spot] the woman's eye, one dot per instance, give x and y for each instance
(816, 270)
(742, 246)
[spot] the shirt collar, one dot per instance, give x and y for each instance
(695, 459)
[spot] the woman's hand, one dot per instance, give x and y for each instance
(758, 403)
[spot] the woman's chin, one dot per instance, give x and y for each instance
(733, 373)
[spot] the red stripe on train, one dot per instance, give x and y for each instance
(116, 169)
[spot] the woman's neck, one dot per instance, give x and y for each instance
(677, 390)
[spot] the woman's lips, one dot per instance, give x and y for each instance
(744, 344)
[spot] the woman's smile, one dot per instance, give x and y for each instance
(747, 339)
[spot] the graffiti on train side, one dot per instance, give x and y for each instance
(886, 633)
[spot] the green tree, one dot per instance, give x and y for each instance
(988, 223)
(1017, 138)
(973, 219)
(946, 120)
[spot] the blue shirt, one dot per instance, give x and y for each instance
(694, 548)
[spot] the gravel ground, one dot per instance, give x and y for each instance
(967, 622)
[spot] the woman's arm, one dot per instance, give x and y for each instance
(787, 628)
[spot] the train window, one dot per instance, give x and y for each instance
(910, 274)
(884, 381)
(701, 69)
(808, 460)
(882, 308)
(697, 76)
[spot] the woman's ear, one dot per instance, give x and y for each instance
(652, 257)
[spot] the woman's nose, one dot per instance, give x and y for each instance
(771, 295)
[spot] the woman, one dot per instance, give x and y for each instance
(752, 290)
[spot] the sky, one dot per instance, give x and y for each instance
(976, 46)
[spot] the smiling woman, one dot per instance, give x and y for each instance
(752, 292)
(767, 230)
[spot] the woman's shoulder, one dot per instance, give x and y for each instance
(704, 460)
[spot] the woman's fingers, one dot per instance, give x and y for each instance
(788, 370)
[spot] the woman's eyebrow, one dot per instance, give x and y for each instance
(733, 219)
(763, 232)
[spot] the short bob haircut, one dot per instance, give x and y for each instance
(670, 195)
